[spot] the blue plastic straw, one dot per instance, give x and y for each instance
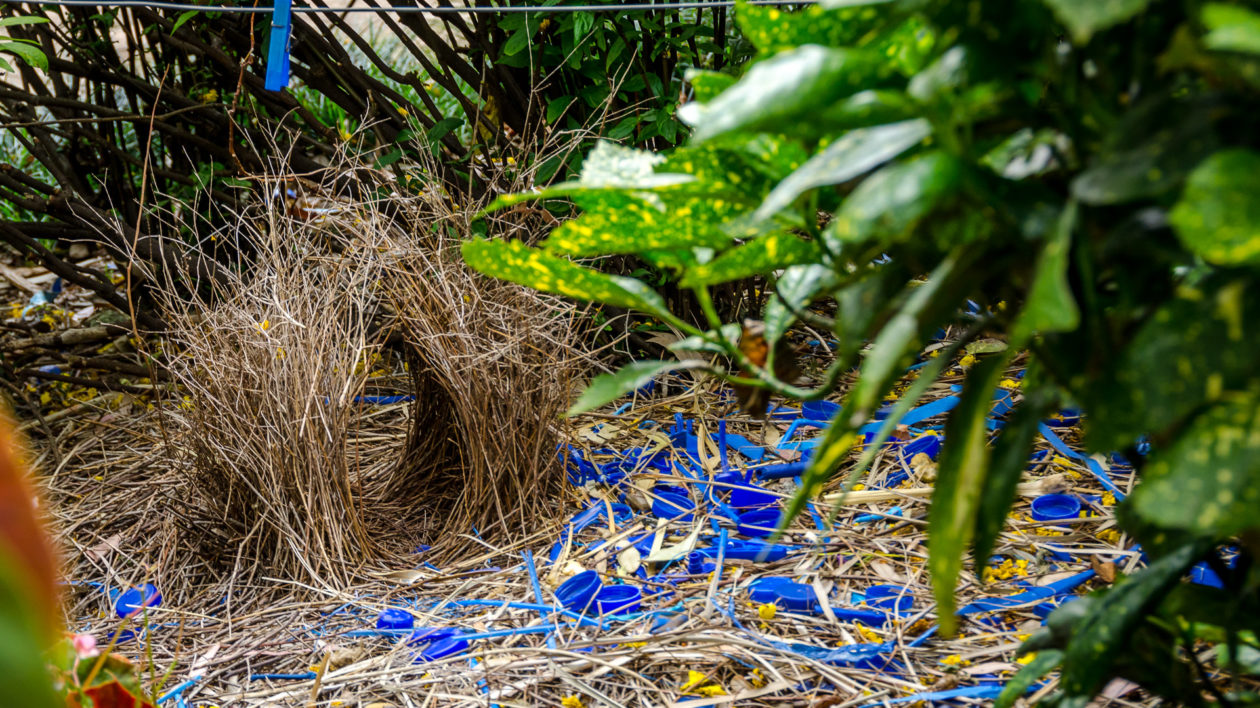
(179, 690)
(538, 594)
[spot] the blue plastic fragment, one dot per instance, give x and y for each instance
(870, 618)
(871, 518)
(752, 550)
(744, 446)
(394, 618)
(1094, 468)
(304, 676)
(1045, 592)
(821, 411)
(130, 603)
(783, 470)
(752, 497)
(929, 445)
(984, 691)
(759, 523)
(42, 297)
(278, 49)
(890, 597)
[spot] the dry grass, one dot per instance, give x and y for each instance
(267, 429)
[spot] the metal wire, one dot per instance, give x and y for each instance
(537, 9)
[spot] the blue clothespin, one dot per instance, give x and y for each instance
(278, 51)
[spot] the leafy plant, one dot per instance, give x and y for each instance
(1083, 171)
(25, 49)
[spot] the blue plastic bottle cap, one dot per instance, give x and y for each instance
(425, 635)
(672, 505)
(132, 601)
(784, 592)
(1054, 507)
(618, 599)
(436, 643)
(819, 410)
(752, 497)
(759, 522)
(577, 592)
(394, 618)
(890, 597)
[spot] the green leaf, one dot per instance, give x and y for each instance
(780, 88)
(964, 464)
(31, 55)
(1233, 28)
(867, 108)
(1100, 636)
(184, 17)
(606, 388)
(759, 256)
(441, 128)
(22, 20)
(707, 85)
(1042, 664)
(944, 76)
(886, 206)
(519, 40)
(1218, 216)
(1207, 482)
(773, 29)
(1085, 17)
(857, 152)
(1151, 151)
(793, 291)
(1190, 351)
(608, 167)
(1050, 306)
(1006, 468)
(622, 224)
(515, 262)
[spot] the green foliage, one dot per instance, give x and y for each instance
(25, 49)
(1100, 195)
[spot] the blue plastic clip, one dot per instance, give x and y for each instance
(278, 50)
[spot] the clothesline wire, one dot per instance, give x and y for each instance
(306, 9)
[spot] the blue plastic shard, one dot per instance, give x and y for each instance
(783, 470)
(985, 691)
(278, 49)
(745, 447)
(1039, 594)
(1094, 468)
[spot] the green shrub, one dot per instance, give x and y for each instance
(1085, 170)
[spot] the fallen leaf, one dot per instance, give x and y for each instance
(1106, 570)
(102, 550)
